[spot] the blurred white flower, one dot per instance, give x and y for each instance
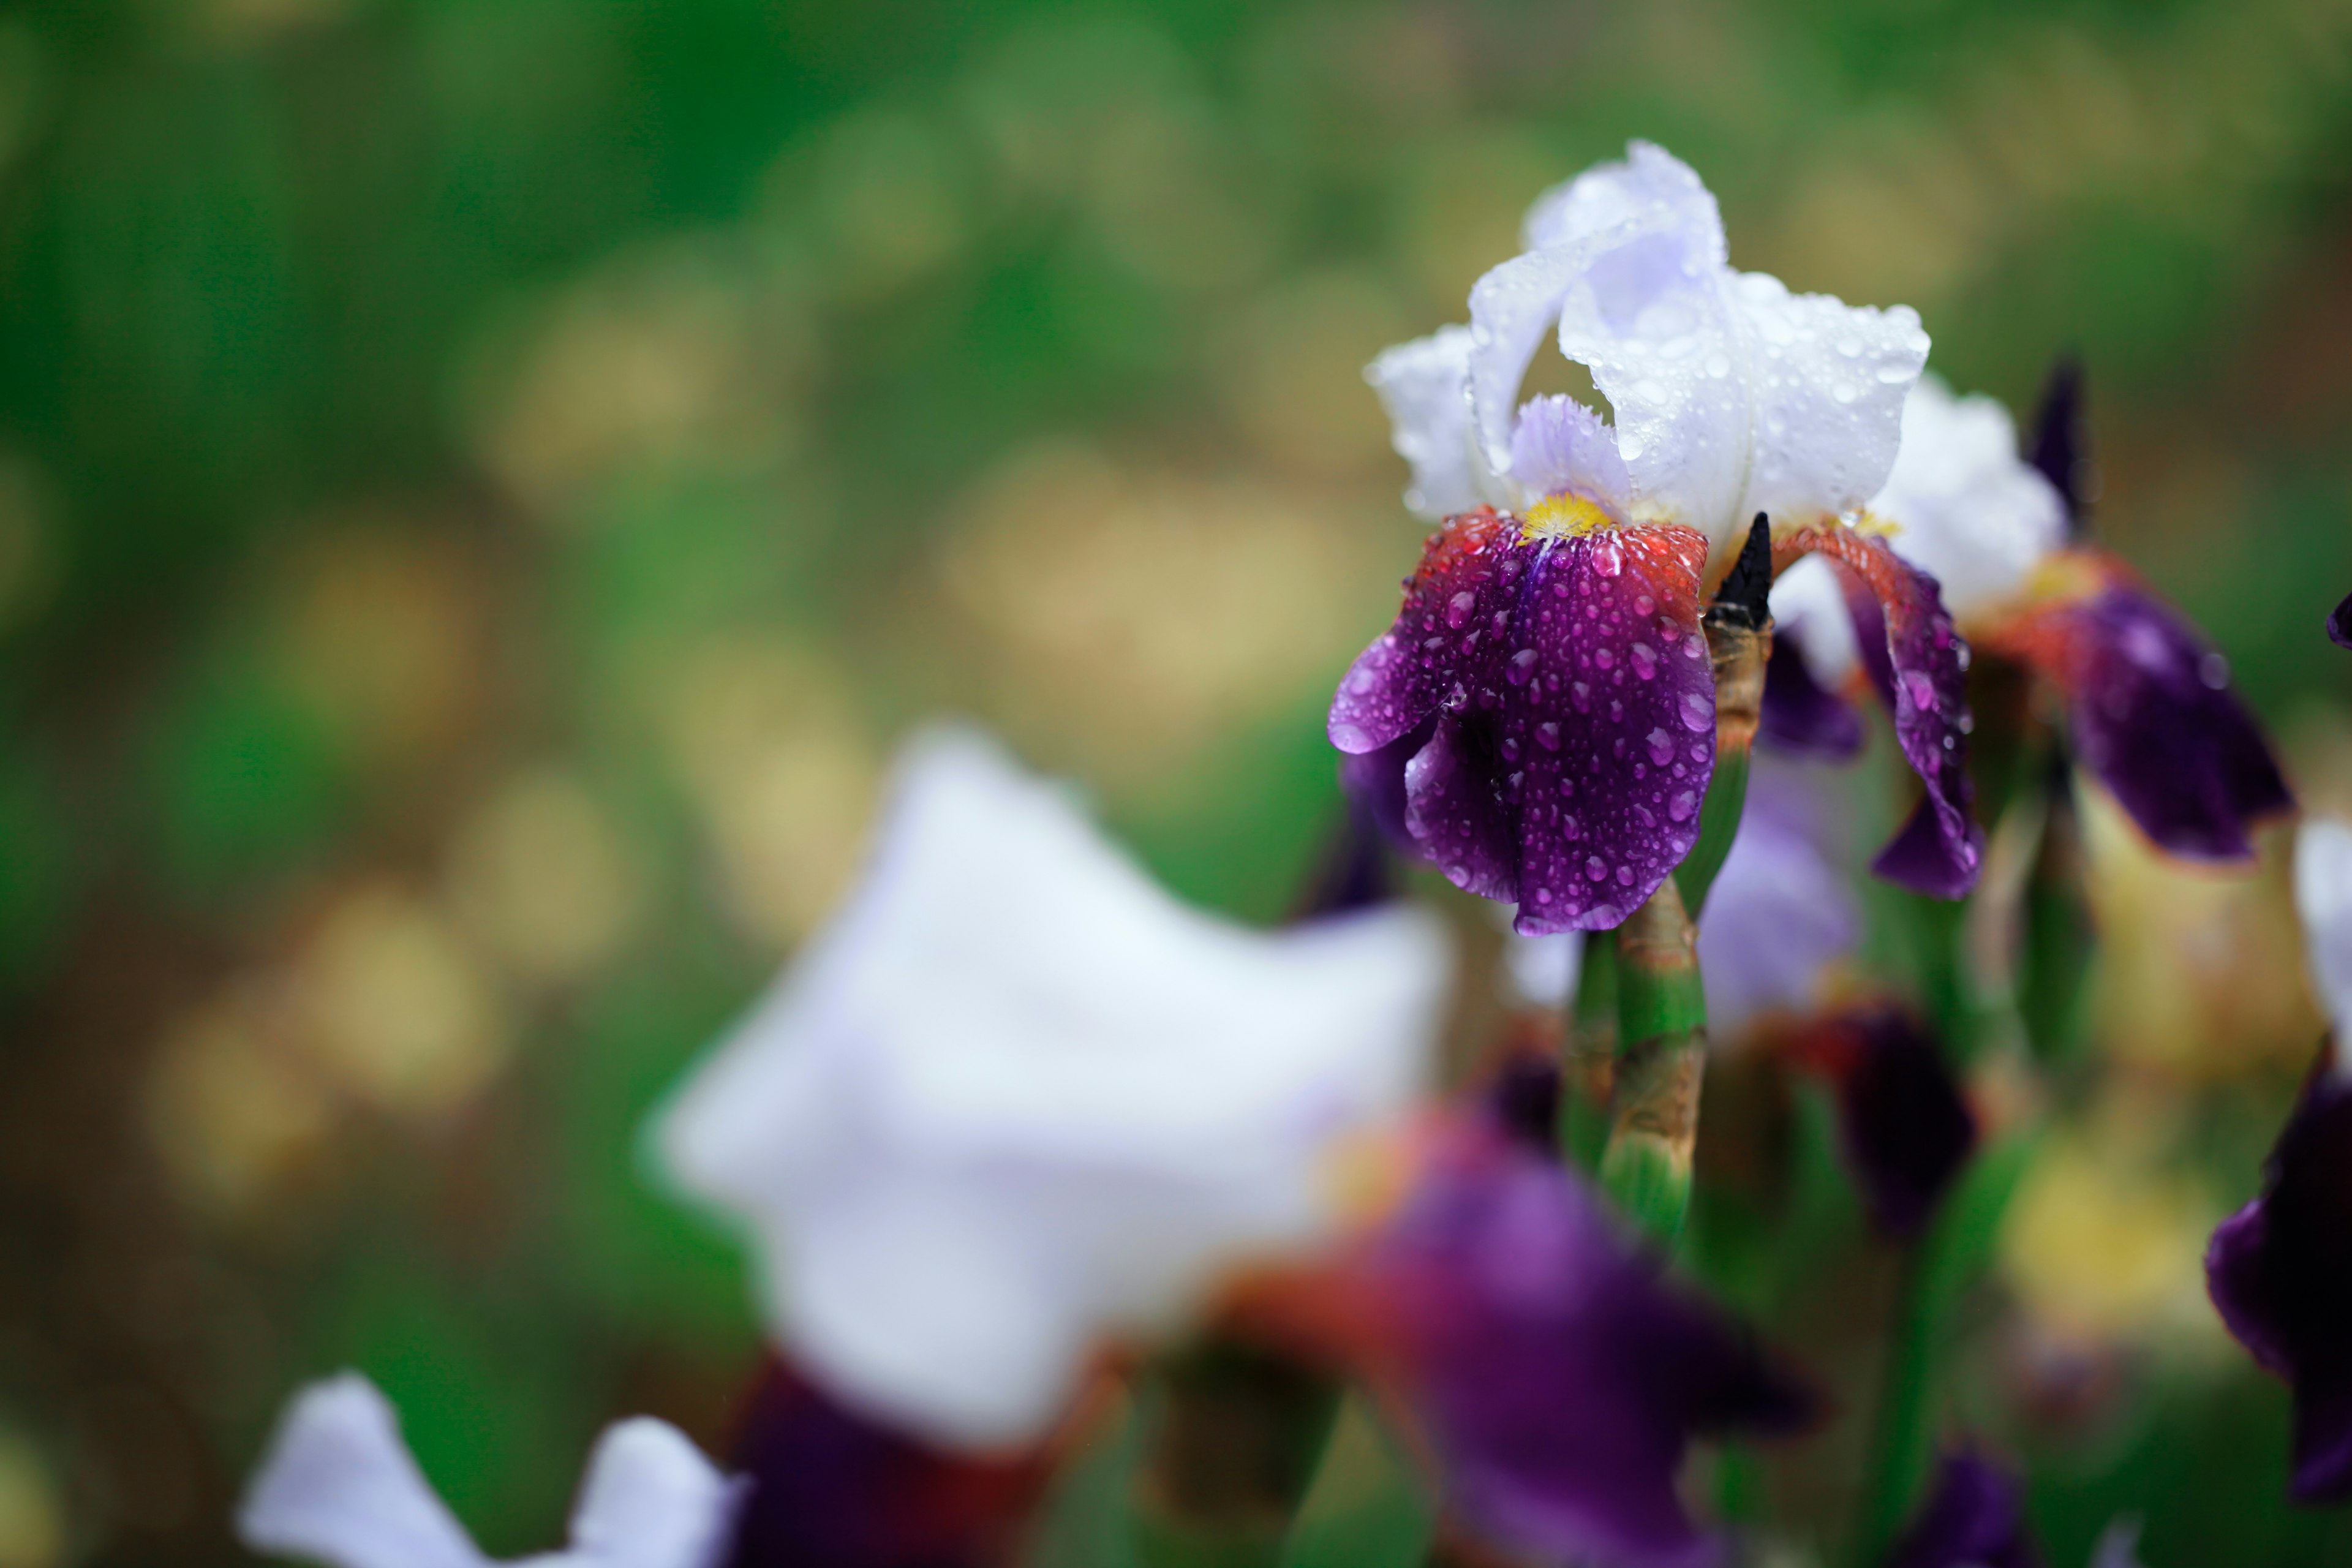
(1967, 509)
(338, 1487)
(1015, 1099)
(2323, 902)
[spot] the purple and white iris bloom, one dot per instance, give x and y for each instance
(2279, 1270)
(1016, 1102)
(2149, 708)
(1541, 720)
(338, 1486)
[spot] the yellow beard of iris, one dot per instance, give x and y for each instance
(1565, 517)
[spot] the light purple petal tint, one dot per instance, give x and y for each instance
(1940, 849)
(1424, 387)
(338, 1486)
(2150, 712)
(1561, 445)
(1559, 1375)
(1781, 911)
(1573, 709)
(1731, 395)
(1975, 1518)
(1015, 1100)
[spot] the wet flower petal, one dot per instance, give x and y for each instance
(1967, 511)
(338, 1486)
(1974, 1519)
(1562, 446)
(1574, 707)
(1424, 387)
(1558, 1374)
(2151, 711)
(1017, 1099)
(1938, 851)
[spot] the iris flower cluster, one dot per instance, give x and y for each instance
(1019, 1131)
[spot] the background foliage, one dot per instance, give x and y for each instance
(482, 482)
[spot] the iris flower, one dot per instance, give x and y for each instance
(2279, 1269)
(338, 1487)
(2150, 713)
(1541, 715)
(1016, 1104)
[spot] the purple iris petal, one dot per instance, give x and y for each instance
(1905, 1126)
(1558, 1374)
(1781, 909)
(1799, 717)
(1573, 711)
(1924, 679)
(831, 1489)
(2152, 715)
(2340, 623)
(1974, 1519)
(2281, 1276)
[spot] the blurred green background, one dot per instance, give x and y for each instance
(483, 481)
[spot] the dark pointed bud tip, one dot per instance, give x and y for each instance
(1750, 584)
(2062, 443)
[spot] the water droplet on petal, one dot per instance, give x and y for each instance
(1458, 608)
(1596, 868)
(1698, 711)
(1662, 747)
(1682, 806)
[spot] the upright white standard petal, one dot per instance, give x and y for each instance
(1017, 1101)
(1967, 510)
(338, 1487)
(2323, 898)
(1424, 386)
(1731, 395)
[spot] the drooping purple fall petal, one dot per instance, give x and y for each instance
(2280, 1274)
(2151, 711)
(1800, 716)
(1939, 850)
(1572, 709)
(1974, 1519)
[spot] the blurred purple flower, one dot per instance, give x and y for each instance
(2150, 706)
(2340, 623)
(830, 1489)
(1780, 911)
(1543, 707)
(1558, 1375)
(1902, 1120)
(1974, 1519)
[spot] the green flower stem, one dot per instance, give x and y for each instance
(1940, 1268)
(1589, 1062)
(1654, 1100)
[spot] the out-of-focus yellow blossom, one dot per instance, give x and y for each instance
(2106, 1238)
(32, 1513)
(762, 733)
(234, 1110)
(655, 358)
(1136, 617)
(380, 630)
(394, 1005)
(2199, 971)
(540, 875)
